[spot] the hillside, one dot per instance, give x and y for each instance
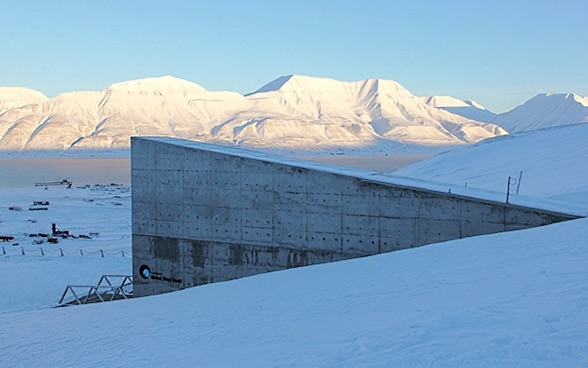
(550, 160)
(292, 112)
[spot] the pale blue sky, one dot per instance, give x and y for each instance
(499, 53)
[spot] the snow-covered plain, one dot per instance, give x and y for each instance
(34, 280)
(517, 299)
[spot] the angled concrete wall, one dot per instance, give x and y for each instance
(205, 213)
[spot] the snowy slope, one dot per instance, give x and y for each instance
(552, 162)
(544, 111)
(516, 299)
(12, 97)
(37, 281)
(467, 108)
(292, 112)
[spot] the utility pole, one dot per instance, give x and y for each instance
(507, 189)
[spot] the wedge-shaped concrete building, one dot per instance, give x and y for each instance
(205, 213)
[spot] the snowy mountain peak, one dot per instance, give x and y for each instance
(274, 85)
(562, 96)
(448, 101)
(301, 83)
(157, 84)
(390, 87)
(571, 98)
(545, 110)
(12, 97)
(321, 85)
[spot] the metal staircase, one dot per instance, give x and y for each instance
(109, 288)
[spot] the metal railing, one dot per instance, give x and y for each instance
(106, 290)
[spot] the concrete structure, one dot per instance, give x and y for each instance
(204, 213)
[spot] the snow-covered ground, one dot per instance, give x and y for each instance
(505, 300)
(517, 299)
(38, 278)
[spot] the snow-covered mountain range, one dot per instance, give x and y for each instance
(292, 112)
(545, 110)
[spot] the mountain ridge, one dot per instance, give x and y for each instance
(467, 108)
(545, 110)
(292, 112)
(13, 97)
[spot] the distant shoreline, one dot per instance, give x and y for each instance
(24, 172)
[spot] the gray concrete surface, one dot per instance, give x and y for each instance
(205, 213)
